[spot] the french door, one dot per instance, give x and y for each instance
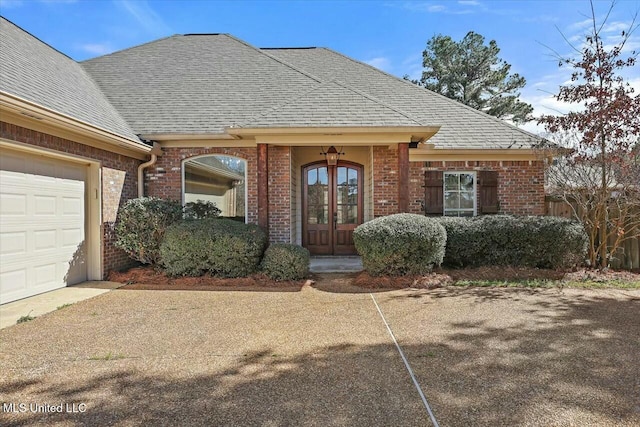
(332, 201)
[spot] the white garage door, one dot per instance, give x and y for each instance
(42, 224)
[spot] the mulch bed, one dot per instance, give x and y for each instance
(148, 278)
(444, 277)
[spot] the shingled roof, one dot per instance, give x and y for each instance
(203, 84)
(461, 126)
(36, 72)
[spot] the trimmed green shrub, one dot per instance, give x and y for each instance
(284, 261)
(400, 244)
(201, 210)
(220, 247)
(141, 225)
(532, 241)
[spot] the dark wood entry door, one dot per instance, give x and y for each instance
(332, 201)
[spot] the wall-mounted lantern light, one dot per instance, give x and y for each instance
(332, 155)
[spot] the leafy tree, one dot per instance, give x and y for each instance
(598, 176)
(471, 72)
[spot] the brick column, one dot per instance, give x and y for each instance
(403, 177)
(263, 187)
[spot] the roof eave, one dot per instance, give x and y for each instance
(10, 103)
(322, 135)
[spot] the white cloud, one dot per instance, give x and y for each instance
(380, 62)
(10, 4)
(146, 16)
(469, 2)
(434, 8)
(580, 25)
(616, 27)
(98, 49)
(412, 66)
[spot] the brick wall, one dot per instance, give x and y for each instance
(279, 194)
(520, 183)
(119, 182)
(385, 181)
(164, 179)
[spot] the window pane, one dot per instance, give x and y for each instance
(318, 194)
(353, 215)
(323, 176)
(318, 214)
(466, 200)
(353, 177)
(343, 194)
(451, 200)
(342, 175)
(217, 179)
(451, 181)
(466, 182)
(312, 176)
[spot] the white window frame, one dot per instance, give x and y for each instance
(445, 211)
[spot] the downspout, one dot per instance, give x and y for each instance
(154, 157)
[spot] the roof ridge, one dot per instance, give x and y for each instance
(35, 37)
(286, 102)
(104, 97)
(482, 113)
(130, 48)
(286, 64)
(378, 101)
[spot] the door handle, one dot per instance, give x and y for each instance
(335, 220)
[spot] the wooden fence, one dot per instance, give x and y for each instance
(628, 254)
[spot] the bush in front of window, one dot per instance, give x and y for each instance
(401, 244)
(201, 210)
(141, 225)
(220, 247)
(284, 261)
(531, 241)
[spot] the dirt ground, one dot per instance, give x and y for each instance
(323, 357)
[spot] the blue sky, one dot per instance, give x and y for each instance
(390, 35)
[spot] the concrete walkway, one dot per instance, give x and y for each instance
(335, 264)
(47, 302)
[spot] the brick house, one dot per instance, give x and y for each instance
(305, 142)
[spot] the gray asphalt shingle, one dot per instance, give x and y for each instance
(461, 126)
(34, 71)
(202, 84)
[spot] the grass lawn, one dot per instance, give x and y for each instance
(546, 283)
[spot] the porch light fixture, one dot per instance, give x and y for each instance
(332, 155)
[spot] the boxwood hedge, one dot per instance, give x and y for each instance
(400, 244)
(141, 225)
(283, 261)
(220, 247)
(531, 241)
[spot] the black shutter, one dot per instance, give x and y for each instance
(488, 192)
(433, 193)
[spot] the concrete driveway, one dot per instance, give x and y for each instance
(318, 358)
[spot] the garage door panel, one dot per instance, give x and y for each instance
(12, 204)
(44, 239)
(42, 225)
(72, 206)
(44, 205)
(14, 284)
(13, 243)
(45, 275)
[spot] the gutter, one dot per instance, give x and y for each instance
(155, 151)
